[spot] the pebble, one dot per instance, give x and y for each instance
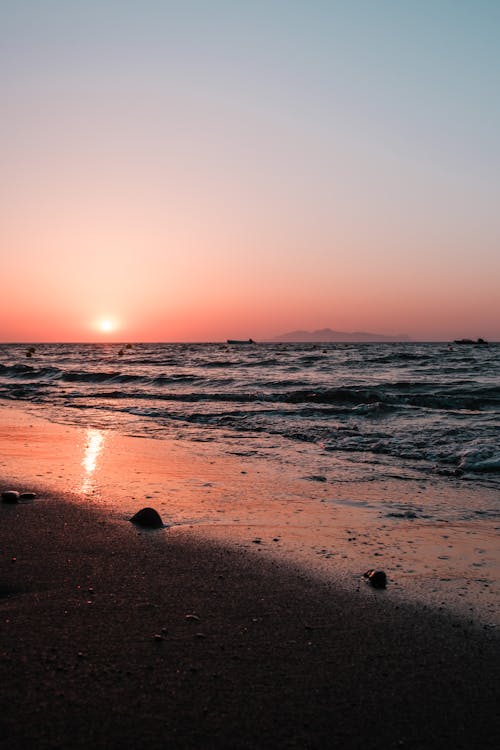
(10, 496)
(149, 518)
(27, 496)
(376, 578)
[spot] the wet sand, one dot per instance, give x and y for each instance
(114, 637)
(336, 530)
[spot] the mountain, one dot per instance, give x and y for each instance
(326, 334)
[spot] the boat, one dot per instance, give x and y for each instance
(240, 341)
(478, 342)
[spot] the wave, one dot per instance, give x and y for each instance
(28, 371)
(446, 447)
(98, 377)
(188, 387)
(410, 402)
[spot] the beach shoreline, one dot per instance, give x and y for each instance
(116, 637)
(332, 530)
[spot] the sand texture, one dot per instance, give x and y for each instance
(115, 638)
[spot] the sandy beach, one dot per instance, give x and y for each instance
(222, 633)
(319, 522)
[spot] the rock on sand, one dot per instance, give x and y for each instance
(149, 518)
(10, 496)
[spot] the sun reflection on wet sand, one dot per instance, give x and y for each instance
(93, 447)
(325, 527)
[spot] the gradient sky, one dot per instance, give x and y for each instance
(197, 170)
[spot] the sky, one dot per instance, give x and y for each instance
(195, 171)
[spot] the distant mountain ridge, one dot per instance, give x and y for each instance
(324, 335)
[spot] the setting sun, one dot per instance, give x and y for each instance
(106, 325)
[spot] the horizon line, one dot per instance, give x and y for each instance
(224, 341)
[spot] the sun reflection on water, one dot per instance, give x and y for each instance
(93, 446)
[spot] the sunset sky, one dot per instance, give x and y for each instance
(194, 170)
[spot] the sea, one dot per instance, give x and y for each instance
(410, 410)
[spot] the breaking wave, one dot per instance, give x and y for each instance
(420, 403)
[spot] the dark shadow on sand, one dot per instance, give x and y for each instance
(118, 639)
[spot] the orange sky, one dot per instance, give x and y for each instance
(244, 172)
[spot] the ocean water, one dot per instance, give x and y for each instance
(408, 410)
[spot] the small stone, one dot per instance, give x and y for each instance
(158, 637)
(148, 518)
(27, 496)
(376, 578)
(10, 496)
(192, 617)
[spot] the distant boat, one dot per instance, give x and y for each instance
(240, 341)
(478, 342)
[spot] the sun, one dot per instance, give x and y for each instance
(106, 325)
